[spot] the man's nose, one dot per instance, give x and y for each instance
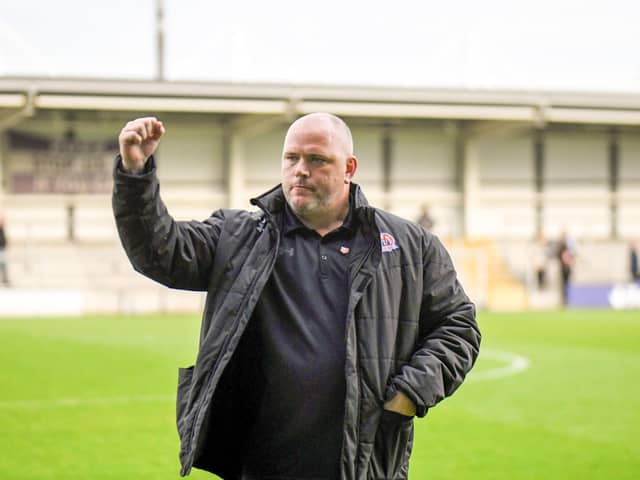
(301, 169)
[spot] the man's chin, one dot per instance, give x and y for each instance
(300, 206)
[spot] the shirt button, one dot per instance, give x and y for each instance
(323, 257)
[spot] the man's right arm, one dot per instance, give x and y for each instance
(138, 140)
(176, 254)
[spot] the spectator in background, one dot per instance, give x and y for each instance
(566, 258)
(633, 261)
(540, 257)
(425, 220)
(3, 254)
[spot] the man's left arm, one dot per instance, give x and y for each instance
(449, 338)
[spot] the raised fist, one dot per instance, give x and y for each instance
(138, 140)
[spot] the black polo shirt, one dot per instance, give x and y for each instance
(296, 368)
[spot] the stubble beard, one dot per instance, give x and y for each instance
(305, 208)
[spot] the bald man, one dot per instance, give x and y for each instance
(329, 324)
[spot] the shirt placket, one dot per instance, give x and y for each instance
(323, 255)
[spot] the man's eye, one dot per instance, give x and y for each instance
(316, 159)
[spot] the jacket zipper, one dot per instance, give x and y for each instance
(271, 261)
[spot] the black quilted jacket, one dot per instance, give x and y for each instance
(410, 325)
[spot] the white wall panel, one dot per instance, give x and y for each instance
(576, 156)
(367, 146)
(580, 219)
(36, 223)
(629, 220)
(504, 220)
(263, 157)
(506, 183)
(629, 157)
(422, 155)
(424, 172)
(629, 186)
(94, 222)
(3, 163)
(191, 153)
(504, 159)
(445, 216)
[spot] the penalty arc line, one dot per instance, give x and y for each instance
(515, 364)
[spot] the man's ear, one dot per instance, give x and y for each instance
(350, 171)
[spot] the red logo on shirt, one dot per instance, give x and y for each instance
(387, 242)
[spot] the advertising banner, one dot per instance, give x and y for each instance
(40, 164)
(618, 296)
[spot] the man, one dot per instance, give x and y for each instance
(328, 324)
(4, 277)
(566, 254)
(425, 220)
(634, 265)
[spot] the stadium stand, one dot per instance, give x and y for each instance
(496, 167)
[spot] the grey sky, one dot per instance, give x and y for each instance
(542, 44)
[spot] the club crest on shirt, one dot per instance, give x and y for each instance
(388, 242)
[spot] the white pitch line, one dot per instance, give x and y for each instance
(81, 402)
(515, 364)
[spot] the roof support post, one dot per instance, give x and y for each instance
(614, 176)
(470, 184)
(387, 162)
(538, 177)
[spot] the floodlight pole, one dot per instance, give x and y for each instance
(160, 40)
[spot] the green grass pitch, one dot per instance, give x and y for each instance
(554, 395)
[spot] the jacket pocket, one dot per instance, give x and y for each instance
(185, 376)
(392, 447)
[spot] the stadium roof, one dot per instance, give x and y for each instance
(27, 94)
